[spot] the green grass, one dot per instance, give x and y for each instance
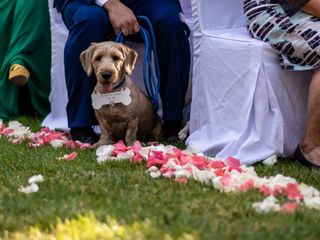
(121, 194)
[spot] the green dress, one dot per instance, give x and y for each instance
(25, 39)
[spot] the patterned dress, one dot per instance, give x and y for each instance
(293, 33)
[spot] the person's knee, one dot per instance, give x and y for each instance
(93, 17)
(170, 23)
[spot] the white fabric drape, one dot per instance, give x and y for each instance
(243, 104)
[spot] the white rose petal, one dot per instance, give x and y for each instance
(182, 173)
(163, 148)
(193, 149)
(271, 160)
(123, 156)
(56, 143)
(269, 204)
(21, 132)
(14, 124)
(308, 191)
(144, 152)
(204, 176)
(312, 202)
(216, 183)
(36, 179)
(104, 151)
(153, 169)
(155, 174)
(32, 188)
(101, 159)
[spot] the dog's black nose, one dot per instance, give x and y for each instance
(106, 75)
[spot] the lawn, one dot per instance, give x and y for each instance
(82, 199)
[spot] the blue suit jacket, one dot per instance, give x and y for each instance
(60, 4)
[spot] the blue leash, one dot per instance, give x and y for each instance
(151, 79)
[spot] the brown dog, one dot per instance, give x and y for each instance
(122, 109)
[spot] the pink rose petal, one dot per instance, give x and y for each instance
(136, 147)
(155, 162)
(232, 162)
(219, 172)
(225, 180)
(181, 180)
(289, 207)
(156, 154)
(292, 191)
(184, 159)
(265, 190)
(137, 158)
(249, 184)
(278, 189)
(177, 152)
(216, 164)
(238, 169)
(70, 156)
(119, 147)
(7, 131)
(85, 145)
(199, 161)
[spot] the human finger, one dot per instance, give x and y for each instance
(116, 30)
(136, 27)
(125, 31)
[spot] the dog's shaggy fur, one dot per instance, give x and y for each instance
(112, 64)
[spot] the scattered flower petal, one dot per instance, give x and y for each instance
(269, 204)
(56, 143)
(153, 169)
(170, 162)
(69, 157)
(32, 188)
(36, 179)
(271, 160)
(155, 174)
(289, 207)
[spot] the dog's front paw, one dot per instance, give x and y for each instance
(102, 142)
(130, 137)
(129, 142)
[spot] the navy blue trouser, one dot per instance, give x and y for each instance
(90, 23)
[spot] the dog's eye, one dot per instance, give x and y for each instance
(115, 58)
(97, 58)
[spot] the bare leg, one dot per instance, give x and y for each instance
(310, 145)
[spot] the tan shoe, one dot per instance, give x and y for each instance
(18, 75)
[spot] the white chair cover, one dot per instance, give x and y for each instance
(58, 95)
(243, 104)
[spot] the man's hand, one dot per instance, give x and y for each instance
(121, 18)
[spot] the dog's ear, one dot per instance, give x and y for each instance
(130, 59)
(86, 59)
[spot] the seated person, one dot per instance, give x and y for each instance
(100, 20)
(292, 27)
(24, 58)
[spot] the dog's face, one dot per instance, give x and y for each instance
(109, 61)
